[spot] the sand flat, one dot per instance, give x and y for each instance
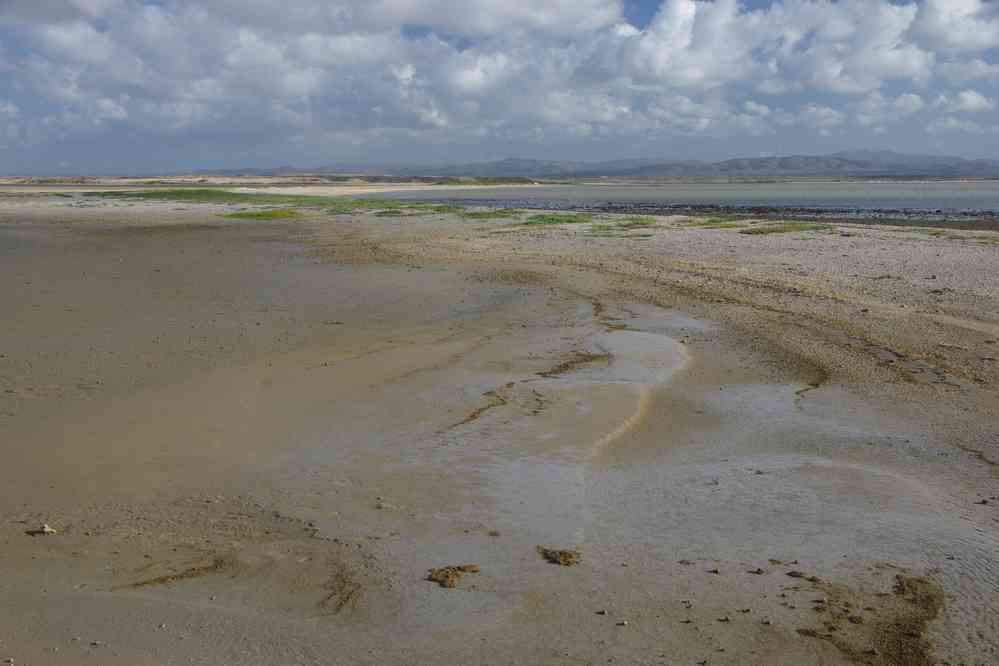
(255, 439)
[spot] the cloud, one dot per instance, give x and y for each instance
(33, 11)
(876, 110)
(951, 124)
(489, 17)
(971, 70)
(966, 101)
(322, 75)
(847, 47)
(959, 25)
(821, 118)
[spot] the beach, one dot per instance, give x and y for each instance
(252, 439)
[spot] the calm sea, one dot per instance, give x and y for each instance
(935, 199)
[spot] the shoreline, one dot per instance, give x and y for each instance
(957, 219)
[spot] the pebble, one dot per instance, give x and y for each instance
(45, 529)
(622, 623)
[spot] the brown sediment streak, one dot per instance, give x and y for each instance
(342, 590)
(576, 360)
(891, 629)
(802, 391)
(215, 566)
(978, 453)
(646, 399)
(494, 400)
(813, 385)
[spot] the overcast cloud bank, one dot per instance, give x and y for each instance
(118, 84)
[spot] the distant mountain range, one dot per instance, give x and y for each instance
(847, 164)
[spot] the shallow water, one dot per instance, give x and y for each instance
(870, 198)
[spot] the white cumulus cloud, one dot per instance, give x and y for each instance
(966, 101)
(960, 25)
(328, 74)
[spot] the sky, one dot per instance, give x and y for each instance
(132, 86)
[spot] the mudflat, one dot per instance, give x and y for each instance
(423, 434)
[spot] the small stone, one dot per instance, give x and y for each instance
(566, 558)
(44, 530)
(622, 623)
(725, 619)
(448, 577)
(601, 612)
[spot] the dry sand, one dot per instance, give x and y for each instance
(255, 440)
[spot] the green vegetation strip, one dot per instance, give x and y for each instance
(332, 205)
(558, 218)
(277, 214)
(441, 209)
(489, 214)
(615, 228)
(635, 222)
(718, 223)
(783, 228)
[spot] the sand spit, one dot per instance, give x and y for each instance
(361, 189)
(254, 439)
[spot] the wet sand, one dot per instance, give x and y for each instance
(255, 439)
